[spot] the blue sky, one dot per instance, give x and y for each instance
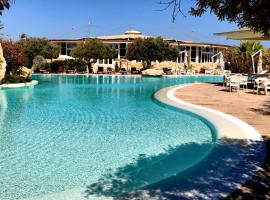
(82, 18)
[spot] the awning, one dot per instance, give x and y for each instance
(243, 34)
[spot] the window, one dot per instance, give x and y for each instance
(182, 56)
(182, 48)
(110, 61)
(63, 48)
(123, 50)
(193, 54)
(71, 45)
(68, 52)
(206, 54)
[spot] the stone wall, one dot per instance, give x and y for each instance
(3, 64)
(167, 64)
(156, 65)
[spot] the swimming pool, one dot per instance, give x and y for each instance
(84, 131)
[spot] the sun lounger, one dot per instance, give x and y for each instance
(71, 71)
(44, 71)
(167, 71)
(233, 82)
(262, 84)
(123, 71)
(266, 85)
(109, 70)
(134, 70)
(243, 81)
(100, 70)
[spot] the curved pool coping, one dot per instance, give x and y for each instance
(19, 85)
(223, 123)
(227, 127)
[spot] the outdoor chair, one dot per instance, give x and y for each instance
(100, 70)
(71, 71)
(123, 71)
(182, 72)
(109, 70)
(266, 85)
(233, 83)
(134, 70)
(243, 81)
(167, 71)
(258, 86)
(44, 71)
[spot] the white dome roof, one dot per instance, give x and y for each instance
(133, 32)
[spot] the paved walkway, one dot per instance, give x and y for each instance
(251, 108)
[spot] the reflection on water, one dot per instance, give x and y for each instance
(3, 107)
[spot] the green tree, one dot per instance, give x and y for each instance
(14, 56)
(91, 50)
(33, 47)
(39, 62)
(245, 13)
(151, 49)
(50, 51)
(4, 4)
(250, 47)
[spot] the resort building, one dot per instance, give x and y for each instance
(201, 53)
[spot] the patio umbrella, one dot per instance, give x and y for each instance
(243, 34)
(64, 57)
(186, 59)
(259, 66)
(221, 61)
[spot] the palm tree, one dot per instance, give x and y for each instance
(4, 4)
(240, 57)
(250, 47)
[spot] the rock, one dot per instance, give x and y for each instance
(3, 64)
(25, 72)
(152, 73)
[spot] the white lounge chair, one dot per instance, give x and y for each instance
(243, 81)
(265, 85)
(233, 82)
(257, 85)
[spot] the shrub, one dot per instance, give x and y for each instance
(39, 62)
(14, 56)
(202, 70)
(117, 68)
(14, 78)
(78, 64)
(58, 65)
(33, 47)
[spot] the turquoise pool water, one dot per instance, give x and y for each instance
(74, 131)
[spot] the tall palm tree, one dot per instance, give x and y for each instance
(240, 57)
(246, 50)
(4, 4)
(250, 47)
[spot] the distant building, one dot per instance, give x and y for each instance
(201, 53)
